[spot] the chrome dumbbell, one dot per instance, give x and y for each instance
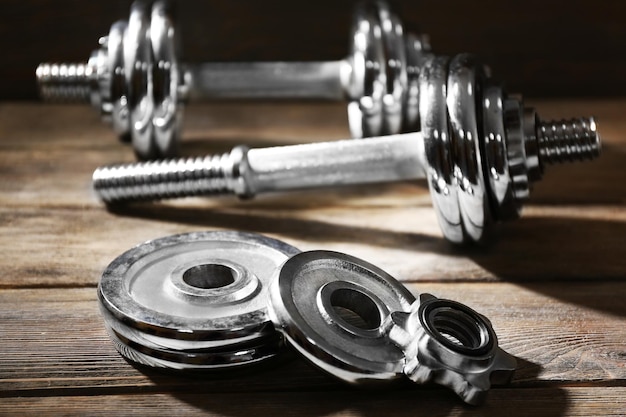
(478, 149)
(137, 82)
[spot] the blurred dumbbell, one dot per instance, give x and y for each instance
(138, 84)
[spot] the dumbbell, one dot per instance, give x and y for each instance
(479, 149)
(138, 84)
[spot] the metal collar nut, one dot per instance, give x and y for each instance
(450, 344)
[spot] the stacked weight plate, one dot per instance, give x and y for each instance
(216, 300)
(194, 301)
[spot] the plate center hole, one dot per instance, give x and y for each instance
(459, 328)
(209, 276)
(356, 309)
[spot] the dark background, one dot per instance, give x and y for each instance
(540, 48)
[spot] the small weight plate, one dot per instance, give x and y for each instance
(138, 74)
(464, 96)
(165, 80)
(439, 152)
(156, 342)
(366, 86)
(332, 307)
(203, 286)
(116, 89)
(495, 148)
(244, 354)
(394, 49)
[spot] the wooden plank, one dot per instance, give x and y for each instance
(64, 247)
(45, 192)
(54, 340)
(547, 401)
(50, 162)
(552, 283)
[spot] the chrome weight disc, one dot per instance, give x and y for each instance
(196, 300)
(243, 354)
(332, 308)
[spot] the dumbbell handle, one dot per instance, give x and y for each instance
(268, 80)
(228, 80)
(246, 172)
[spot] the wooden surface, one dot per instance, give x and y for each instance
(553, 283)
(539, 48)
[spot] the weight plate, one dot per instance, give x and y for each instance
(158, 342)
(464, 96)
(394, 48)
(197, 286)
(165, 80)
(116, 93)
(138, 74)
(438, 150)
(244, 354)
(332, 307)
(366, 86)
(501, 190)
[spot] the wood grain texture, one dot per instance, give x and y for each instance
(540, 48)
(46, 198)
(553, 283)
(50, 151)
(547, 244)
(54, 339)
(569, 401)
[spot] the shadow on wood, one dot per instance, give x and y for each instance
(336, 398)
(307, 229)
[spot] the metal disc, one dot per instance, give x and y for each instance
(163, 342)
(417, 54)
(495, 150)
(243, 354)
(392, 36)
(167, 104)
(438, 150)
(332, 307)
(138, 73)
(203, 286)
(464, 97)
(367, 79)
(116, 90)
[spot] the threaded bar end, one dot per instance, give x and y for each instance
(64, 82)
(156, 180)
(568, 140)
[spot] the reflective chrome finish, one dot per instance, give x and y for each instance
(309, 302)
(357, 323)
(246, 172)
(495, 148)
(365, 86)
(138, 72)
(261, 80)
(464, 83)
(438, 149)
(166, 79)
(218, 300)
(478, 149)
(137, 82)
(112, 89)
(448, 343)
(395, 47)
(193, 301)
